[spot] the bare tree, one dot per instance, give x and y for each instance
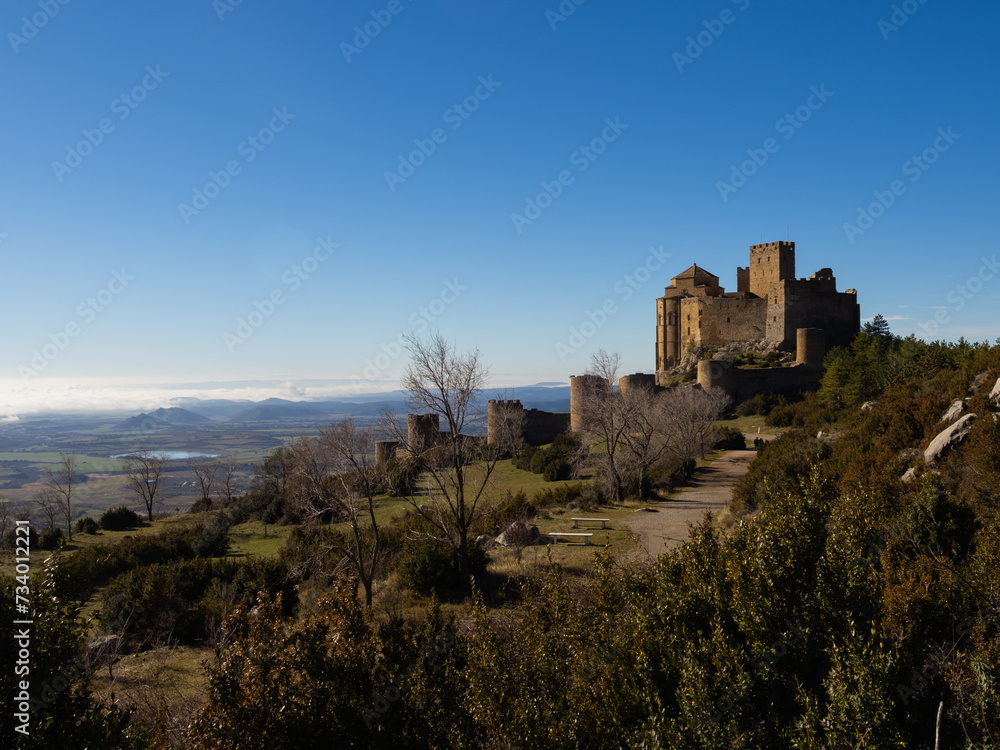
(688, 417)
(6, 518)
(60, 483)
(229, 487)
(607, 419)
(48, 503)
(627, 432)
(144, 469)
(459, 467)
(204, 471)
(339, 474)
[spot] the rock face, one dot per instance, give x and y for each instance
(949, 438)
(956, 410)
(995, 393)
(909, 476)
(518, 534)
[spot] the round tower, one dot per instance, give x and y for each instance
(385, 451)
(422, 431)
(638, 380)
(495, 416)
(717, 374)
(579, 385)
(810, 346)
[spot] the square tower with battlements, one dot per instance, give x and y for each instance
(769, 306)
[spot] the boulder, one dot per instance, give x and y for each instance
(911, 454)
(869, 405)
(519, 534)
(948, 438)
(909, 476)
(995, 393)
(956, 410)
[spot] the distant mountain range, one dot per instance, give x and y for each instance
(541, 396)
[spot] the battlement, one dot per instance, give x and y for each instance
(770, 304)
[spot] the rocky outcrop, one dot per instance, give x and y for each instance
(909, 477)
(995, 393)
(948, 438)
(519, 534)
(956, 410)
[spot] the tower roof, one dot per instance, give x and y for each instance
(694, 272)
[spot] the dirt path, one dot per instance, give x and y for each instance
(666, 525)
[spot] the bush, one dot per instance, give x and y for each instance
(402, 478)
(177, 602)
(730, 439)
(432, 567)
(554, 462)
(120, 518)
(202, 505)
(51, 539)
(557, 470)
(86, 525)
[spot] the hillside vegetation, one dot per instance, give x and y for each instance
(842, 607)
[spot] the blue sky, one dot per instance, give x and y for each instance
(302, 121)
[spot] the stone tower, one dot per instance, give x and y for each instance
(770, 264)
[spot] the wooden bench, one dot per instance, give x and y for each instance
(556, 534)
(601, 521)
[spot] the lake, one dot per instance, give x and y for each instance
(173, 455)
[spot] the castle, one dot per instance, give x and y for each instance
(769, 305)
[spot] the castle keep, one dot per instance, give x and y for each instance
(769, 305)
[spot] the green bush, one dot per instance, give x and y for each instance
(176, 602)
(51, 539)
(730, 439)
(554, 462)
(432, 567)
(86, 525)
(91, 566)
(120, 518)
(201, 505)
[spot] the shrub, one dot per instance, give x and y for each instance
(557, 470)
(554, 462)
(430, 566)
(50, 539)
(402, 478)
(730, 439)
(176, 602)
(120, 518)
(86, 525)
(202, 505)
